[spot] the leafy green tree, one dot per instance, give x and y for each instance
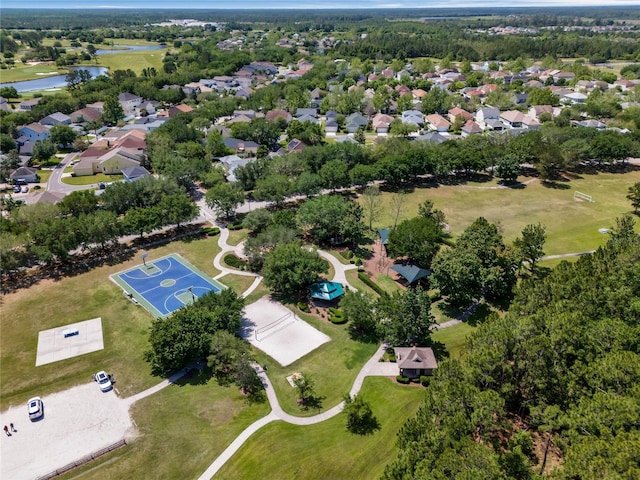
(360, 418)
(530, 246)
(305, 387)
(247, 379)
(290, 269)
(7, 143)
(330, 218)
(418, 239)
(358, 309)
(273, 188)
(141, 220)
(112, 111)
(80, 201)
(257, 220)
(224, 198)
(406, 317)
(8, 163)
(508, 168)
(334, 174)
(43, 150)
(309, 184)
(634, 196)
(542, 96)
(359, 136)
(225, 351)
(177, 209)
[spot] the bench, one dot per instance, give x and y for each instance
(70, 332)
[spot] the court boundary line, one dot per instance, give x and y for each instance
(118, 279)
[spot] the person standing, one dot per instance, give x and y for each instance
(13, 429)
(6, 430)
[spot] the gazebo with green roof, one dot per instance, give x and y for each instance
(411, 273)
(327, 291)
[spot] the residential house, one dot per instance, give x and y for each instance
(178, 109)
(414, 362)
(96, 106)
(273, 115)
(591, 124)
(29, 104)
(574, 97)
(530, 123)
(512, 118)
(47, 196)
(56, 119)
(316, 97)
(295, 145)
(487, 113)
(381, 123)
(536, 110)
(85, 115)
(231, 162)
(117, 150)
(129, 102)
(433, 137)
(470, 128)
(418, 93)
(33, 132)
(134, 173)
(438, 123)
(456, 112)
(355, 121)
(116, 160)
(4, 105)
(412, 117)
(311, 112)
(308, 118)
(331, 127)
(241, 147)
(24, 175)
(148, 106)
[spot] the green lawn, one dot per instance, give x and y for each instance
(572, 226)
(22, 72)
(333, 366)
(327, 450)
(182, 429)
(352, 277)
(238, 283)
(44, 175)
(91, 179)
(136, 60)
(237, 236)
(454, 338)
(50, 304)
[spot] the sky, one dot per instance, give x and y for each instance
(302, 4)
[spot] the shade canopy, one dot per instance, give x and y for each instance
(326, 290)
(384, 236)
(411, 273)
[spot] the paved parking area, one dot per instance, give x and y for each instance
(76, 422)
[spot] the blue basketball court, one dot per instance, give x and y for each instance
(166, 284)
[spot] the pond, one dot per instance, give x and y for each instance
(59, 81)
(51, 81)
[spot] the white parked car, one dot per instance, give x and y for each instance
(104, 381)
(35, 407)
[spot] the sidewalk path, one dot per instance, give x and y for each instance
(339, 268)
(372, 368)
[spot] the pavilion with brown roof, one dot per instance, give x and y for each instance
(414, 362)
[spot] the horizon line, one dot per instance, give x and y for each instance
(332, 7)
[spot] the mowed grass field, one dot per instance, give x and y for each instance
(136, 60)
(571, 225)
(327, 450)
(182, 429)
(30, 72)
(53, 303)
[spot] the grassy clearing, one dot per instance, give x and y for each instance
(183, 428)
(136, 60)
(91, 179)
(237, 236)
(333, 367)
(454, 338)
(352, 277)
(327, 450)
(387, 283)
(238, 283)
(572, 226)
(51, 304)
(44, 175)
(30, 72)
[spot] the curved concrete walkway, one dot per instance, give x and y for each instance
(339, 268)
(372, 368)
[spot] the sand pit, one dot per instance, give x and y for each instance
(277, 331)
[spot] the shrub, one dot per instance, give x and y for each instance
(211, 231)
(233, 261)
(338, 320)
(234, 226)
(370, 283)
(304, 307)
(402, 379)
(349, 254)
(415, 380)
(424, 380)
(358, 262)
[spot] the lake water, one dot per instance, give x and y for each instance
(59, 81)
